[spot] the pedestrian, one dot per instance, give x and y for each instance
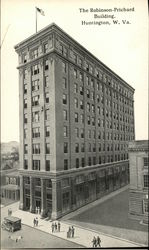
(34, 222)
(68, 234)
(98, 241)
(59, 226)
(55, 226)
(72, 231)
(69, 230)
(94, 242)
(52, 227)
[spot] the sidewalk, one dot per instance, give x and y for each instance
(82, 235)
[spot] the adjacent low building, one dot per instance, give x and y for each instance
(10, 188)
(76, 119)
(139, 180)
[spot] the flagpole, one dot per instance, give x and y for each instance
(36, 20)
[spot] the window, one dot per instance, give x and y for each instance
(92, 96)
(87, 80)
(34, 53)
(25, 148)
(98, 99)
(76, 117)
(25, 133)
(81, 76)
(47, 165)
(92, 83)
(81, 90)
(35, 69)
(145, 206)
(98, 121)
(81, 104)
(80, 62)
(88, 120)
(36, 165)
(25, 118)
(89, 161)
(65, 131)
(145, 179)
(65, 115)
(25, 88)
(64, 83)
(77, 147)
(35, 85)
(146, 162)
(47, 114)
(93, 121)
(65, 164)
(77, 132)
(99, 147)
(64, 99)
(46, 81)
(75, 87)
(82, 147)
(76, 102)
(82, 118)
(65, 147)
(36, 132)
(35, 116)
(24, 58)
(47, 97)
(65, 201)
(27, 180)
(47, 148)
(45, 47)
(47, 131)
(77, 162)
(64, 67)
(46, 65)
(89, 134)
(93, 108)
(36, 148)
(94, 147)
(25, 103)
(75, 73)
(25, 164)
(97, 85)
(83, 162)
(88, 93)
(88, 107)
(94, 160)
(35, 100)
(82, 133)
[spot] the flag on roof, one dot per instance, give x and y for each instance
(40, 11)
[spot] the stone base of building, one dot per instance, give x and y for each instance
(55, 196)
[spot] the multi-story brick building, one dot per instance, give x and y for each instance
(76, 118)
(139, 179)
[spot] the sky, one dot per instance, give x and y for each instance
(123, 48)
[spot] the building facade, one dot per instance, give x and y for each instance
(139, 179)
(10, 185)
(76, 119)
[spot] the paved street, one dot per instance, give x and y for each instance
(83, 233)
(32, 238)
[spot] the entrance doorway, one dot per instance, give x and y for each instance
(38, 206)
